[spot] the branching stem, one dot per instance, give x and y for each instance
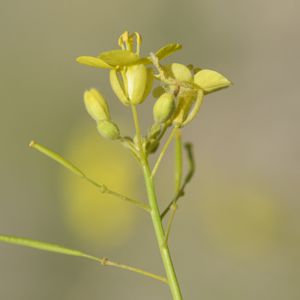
(155, 216)
(101, 187)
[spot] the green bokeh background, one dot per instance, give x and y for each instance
(237, 233)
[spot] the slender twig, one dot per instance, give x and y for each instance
(101, 187)
(173, 209)
(107, 262)
(178, 179)
(178, 160)
(187, 179)
(163, 152)
(49, 247)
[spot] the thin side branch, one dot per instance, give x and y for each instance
(101, 187)
(163, 152)
(178, 179)
(106, 262)
(49, 247)
(178, 160)
(173, 209)
(189, 176)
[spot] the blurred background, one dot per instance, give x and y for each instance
(237, 232)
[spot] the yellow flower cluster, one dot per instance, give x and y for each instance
(180, 89)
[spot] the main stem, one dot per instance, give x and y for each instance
(155, 216)
(160, 234)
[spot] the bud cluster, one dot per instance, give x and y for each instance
(98, 109)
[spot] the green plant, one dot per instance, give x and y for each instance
(179, 92)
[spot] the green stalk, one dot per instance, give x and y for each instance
(160, 235)
(155, 215)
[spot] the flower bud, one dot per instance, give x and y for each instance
(96, 105)
(163, 108)
(181, 72)
(136, 76)
(108, 130)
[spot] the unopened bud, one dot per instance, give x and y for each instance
(108, 130)
(96, 105)
(163, 108)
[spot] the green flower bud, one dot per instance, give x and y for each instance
(181, 72)
(96, 105)
(163, 108)
(117, 87)
(136, 76)
(108, 130)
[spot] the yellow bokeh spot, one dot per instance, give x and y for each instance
(94, 217)
(240, 220)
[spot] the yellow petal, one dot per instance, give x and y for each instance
(183, 108)
(92, 61)
(181, 72)
(195, 109)
(117, 87)
(211, 81)
(119, 57)
(136, 83)
(149, 84)
(167, 50)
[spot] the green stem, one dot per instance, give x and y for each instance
(138, 130)
(67, 251)
(178, 160)
(178, 179)
(101, 187)
(160, 235)
(155, 215)
(106, 262)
